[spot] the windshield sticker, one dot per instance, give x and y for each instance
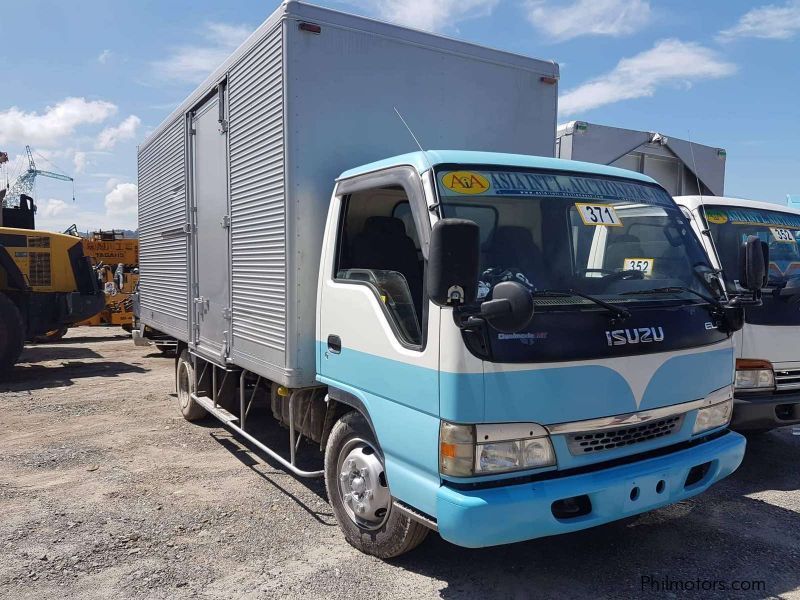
(520, 183)
(598, 214)
(645, 265)
(718, 218)
(783, 235)
(746, 216)
(465, 182)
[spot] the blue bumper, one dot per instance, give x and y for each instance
(514, 513)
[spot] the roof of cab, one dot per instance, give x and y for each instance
(422, 161)
(692, 202)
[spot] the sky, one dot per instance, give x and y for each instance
(83, 83)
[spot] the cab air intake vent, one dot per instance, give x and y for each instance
(588, 442)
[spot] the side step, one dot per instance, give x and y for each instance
(217, 411)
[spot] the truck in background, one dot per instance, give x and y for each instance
(458, 331)
(682, 167)
(767, 392)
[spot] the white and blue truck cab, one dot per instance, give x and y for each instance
(559, 357)
(767, 389)
(483, 342)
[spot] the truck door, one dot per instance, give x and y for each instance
(377, 334)
(210, 262)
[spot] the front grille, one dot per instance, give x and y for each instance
(39, 269)
(787, 380)
(588, 442)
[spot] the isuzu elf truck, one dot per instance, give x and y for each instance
(483, 341)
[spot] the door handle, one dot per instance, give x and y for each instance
(334, 344)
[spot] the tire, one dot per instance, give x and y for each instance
(12, 333)
(184, 384)
(378, 530)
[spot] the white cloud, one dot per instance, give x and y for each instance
(54, 124)
(431, 15)
(772, 21)
(669, 62)
(80, 161)
(52, 208)
(121, 201)
(120, 209)
(192, 64)
(588, 17)
(104, 56)
(126, 130)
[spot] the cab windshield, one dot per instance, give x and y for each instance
(619, 240)
(730, 226)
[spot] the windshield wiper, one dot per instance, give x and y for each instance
(671, 290)
(618, 311)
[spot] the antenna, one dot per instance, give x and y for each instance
(437, 200)
(706, 230)
(416, 141)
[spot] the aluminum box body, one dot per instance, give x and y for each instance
(298, 109)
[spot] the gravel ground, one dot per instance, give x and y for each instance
(105, 491)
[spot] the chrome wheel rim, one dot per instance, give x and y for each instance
(362, 484)
(183, 385)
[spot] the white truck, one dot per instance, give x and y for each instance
(380, 303)
(767, 391)
(768, 347)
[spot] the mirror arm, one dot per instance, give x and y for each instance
(755, 300)
(495, 308)
(471, 322)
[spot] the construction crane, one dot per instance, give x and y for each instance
(23, 185)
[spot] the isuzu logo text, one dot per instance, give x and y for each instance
(641, 335)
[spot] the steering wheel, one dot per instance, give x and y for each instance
(610, 275)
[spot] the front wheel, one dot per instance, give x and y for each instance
(359, 493)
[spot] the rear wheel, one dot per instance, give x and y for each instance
(359, 493)
(12, 333)
(184, 380)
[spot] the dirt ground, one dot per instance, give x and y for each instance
(106, 492)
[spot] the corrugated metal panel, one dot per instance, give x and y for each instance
(257, 194)
(162, 210)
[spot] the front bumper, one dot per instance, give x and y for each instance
(765, 412)
(503, 515)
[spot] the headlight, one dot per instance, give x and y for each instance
(754, 375)
(467, 450)
(711, 417)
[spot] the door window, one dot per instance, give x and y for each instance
(380, 249)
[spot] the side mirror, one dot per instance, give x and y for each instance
(753, 261)
(511, 308)
(453, 259)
